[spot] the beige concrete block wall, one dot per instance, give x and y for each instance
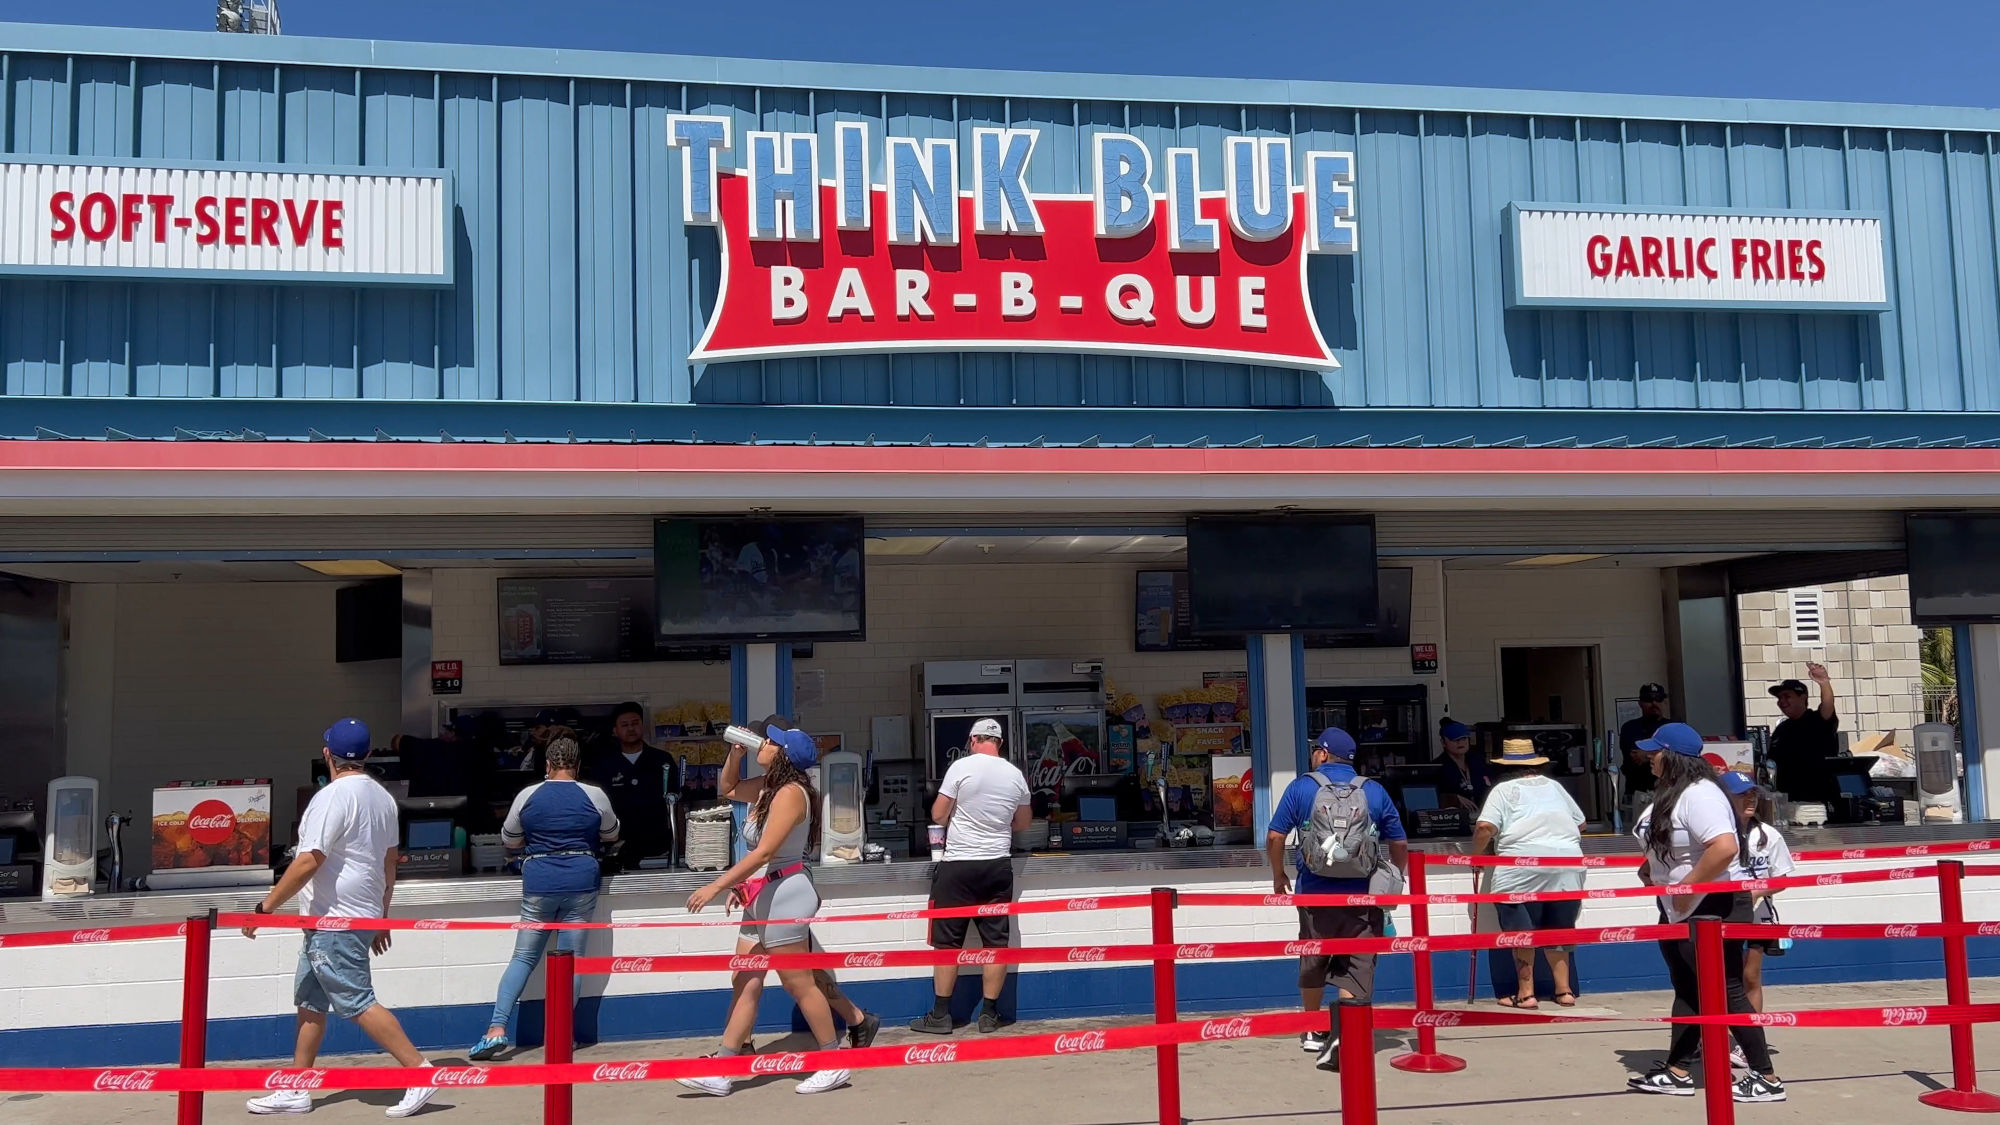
(1868, 643)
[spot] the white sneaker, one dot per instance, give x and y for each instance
(281, 1101)
(1313, 1042)
(820, 1082)
(714, 1086)
(1736, 1058)
(414, 1099)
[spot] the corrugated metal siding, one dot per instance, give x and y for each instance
(577, 282)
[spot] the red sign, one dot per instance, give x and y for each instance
(210, 823)
(1065, 289)
(1423, 659)
(447, 677)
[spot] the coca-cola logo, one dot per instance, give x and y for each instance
(1917, 849)
(1896, 873)
(1193, 952)
(89, 937)
(993, 908)
(1518, 897)
(1409, 945)
(979, 957)
(865, 960)
(1080, 1042)
(1677, 889)
(1899, 931)
(903, 915)
(210, 822)
(1302, 949)
(1827, 881)
(1527, 861)
(460, 1075)
(1515, 941)
(1438, 1019)
(1622, 933)
(1600, 893)
(1081, 904)
(1595, 861)
(1904, 1017)
(1363, 900)
(1854, 853)
(1807, 933)
(1458, 861)
(333, 925)
(621, 1072)
(1980, 846)
(1988, 929)
(431, 924)
(789, 1063)
(124, 1081)
(924, 1056)
(1775, 1019)
(1087, 956)
(1447, 900)
(1277, 900)
(631, 964)
(1757, 886)
(295, 1080)
(1238, 1028)
(752, 963)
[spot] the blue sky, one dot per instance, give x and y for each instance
(1933, 52)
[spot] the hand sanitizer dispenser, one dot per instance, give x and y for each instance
(843, 826)
(69, 849)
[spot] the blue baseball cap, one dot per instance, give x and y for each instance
(799, 746)
(1677, 737)
(1455, 730)
(1736, 783)
(1336, 742)
(347, 739)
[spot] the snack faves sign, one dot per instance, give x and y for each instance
(215, 224)
(818, 258)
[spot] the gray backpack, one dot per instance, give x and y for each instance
(1340, 840)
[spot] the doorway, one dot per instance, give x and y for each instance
(1549, 693)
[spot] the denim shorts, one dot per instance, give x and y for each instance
(333, 973)
(1560, 915)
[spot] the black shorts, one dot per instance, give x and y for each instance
(972, 882)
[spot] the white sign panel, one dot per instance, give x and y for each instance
(137, 222)
(1568, 257)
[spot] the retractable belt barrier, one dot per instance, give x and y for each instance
(1824, 855)
(1754, 886)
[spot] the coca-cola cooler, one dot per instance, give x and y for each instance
(955, 694)
(1062, 725)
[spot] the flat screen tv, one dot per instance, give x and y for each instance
(590, 620)
(1162, 622)
(751, 579)
(1305, 573)
(1954, 568)
(368, 621)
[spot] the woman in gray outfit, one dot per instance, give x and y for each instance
(773, 881)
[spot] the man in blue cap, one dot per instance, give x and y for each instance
(346, 868)
(1349, 836)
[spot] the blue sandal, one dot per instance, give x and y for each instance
(487, 1048)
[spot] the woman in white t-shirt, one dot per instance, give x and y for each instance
(1764, 855)
(1689, 838)
(1527, 814)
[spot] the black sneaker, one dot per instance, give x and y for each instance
(1313, 1042)
(1329, 1055)
(1757, 1088)
(989, 1021)
(1663, 1081)
(863, 1034)
(930, 1023)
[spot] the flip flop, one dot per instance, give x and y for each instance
(1569, 1003)
(1525, 1004)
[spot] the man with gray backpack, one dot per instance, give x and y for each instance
(1350, 842)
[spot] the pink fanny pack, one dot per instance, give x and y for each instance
(748, 890)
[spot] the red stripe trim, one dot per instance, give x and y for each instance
(98, 456)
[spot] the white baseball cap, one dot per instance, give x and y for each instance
(986, 728)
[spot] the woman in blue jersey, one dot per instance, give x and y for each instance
(559, 825)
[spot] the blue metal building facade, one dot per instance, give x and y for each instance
(578, 284)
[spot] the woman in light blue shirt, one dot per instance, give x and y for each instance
(1528, 814)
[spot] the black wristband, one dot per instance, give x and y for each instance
(261, 908)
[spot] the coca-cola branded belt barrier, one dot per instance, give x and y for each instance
(1130, 1037)
(94, 937)
(1756, 886)
(1916, 1015)
(1825, 855)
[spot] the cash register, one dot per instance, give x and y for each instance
(1855, 800)
(1418, 793)
(430, 833)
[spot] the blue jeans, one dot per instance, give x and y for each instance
(530, 944)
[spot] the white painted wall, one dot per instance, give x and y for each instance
(1614, 608)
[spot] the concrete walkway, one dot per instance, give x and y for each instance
(1515, 1078)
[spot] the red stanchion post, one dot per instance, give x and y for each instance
(1166, 1006)
(1964, 1096)
(1712, 976)
(1426, 1059)
(194, 1011)
(1357, 1062)
(559, 1034)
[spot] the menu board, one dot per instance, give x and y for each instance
(590, 621)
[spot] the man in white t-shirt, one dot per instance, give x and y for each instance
(345, 868)
(982, 802)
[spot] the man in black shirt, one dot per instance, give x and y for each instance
(1637, 765)
(637, 778)
(1808, 737)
